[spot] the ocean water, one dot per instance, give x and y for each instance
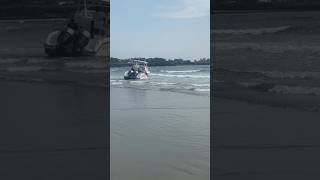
(268, 58)
(266, 95)
(184, 79)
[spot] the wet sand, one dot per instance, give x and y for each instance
(262, 142)
(159, 135)
(53, 131)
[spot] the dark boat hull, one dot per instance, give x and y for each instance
(133, 75)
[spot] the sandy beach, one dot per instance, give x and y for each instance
(159, 135)
(53, 131)
(261, 142)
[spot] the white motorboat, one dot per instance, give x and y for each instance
(139, 71)
(86, 33)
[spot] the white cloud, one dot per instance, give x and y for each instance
(187, 9)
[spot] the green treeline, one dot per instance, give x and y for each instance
(115, 62)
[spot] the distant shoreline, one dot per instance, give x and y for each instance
(115, 62)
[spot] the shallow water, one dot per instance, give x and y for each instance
(268, 58)
(159, 135)
(186, 79)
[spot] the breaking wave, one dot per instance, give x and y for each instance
(278, 74)
(86, 64)
(292, 74)
(10, 60)
(186, 71)
(116, 83)
(201, 85)
(180, 75)
(162, 83)
(284, 89)
(24, 69)
(10, 28)
(252, 31)
(202, 90)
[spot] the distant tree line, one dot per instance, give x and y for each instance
(265, 5)
(116, 62)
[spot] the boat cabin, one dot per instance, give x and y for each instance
(140, 66)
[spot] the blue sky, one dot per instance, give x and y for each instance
(160, 28)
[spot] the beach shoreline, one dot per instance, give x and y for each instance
(259, 141)
(53, 130)
(159, 134)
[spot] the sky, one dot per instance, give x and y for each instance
(160, 28)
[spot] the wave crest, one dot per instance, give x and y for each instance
(253, 31)
(185, 71)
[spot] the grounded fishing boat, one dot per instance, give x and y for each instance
(86, 34)
(139, 71)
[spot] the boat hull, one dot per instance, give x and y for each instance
(94, 47)
(133, 75)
